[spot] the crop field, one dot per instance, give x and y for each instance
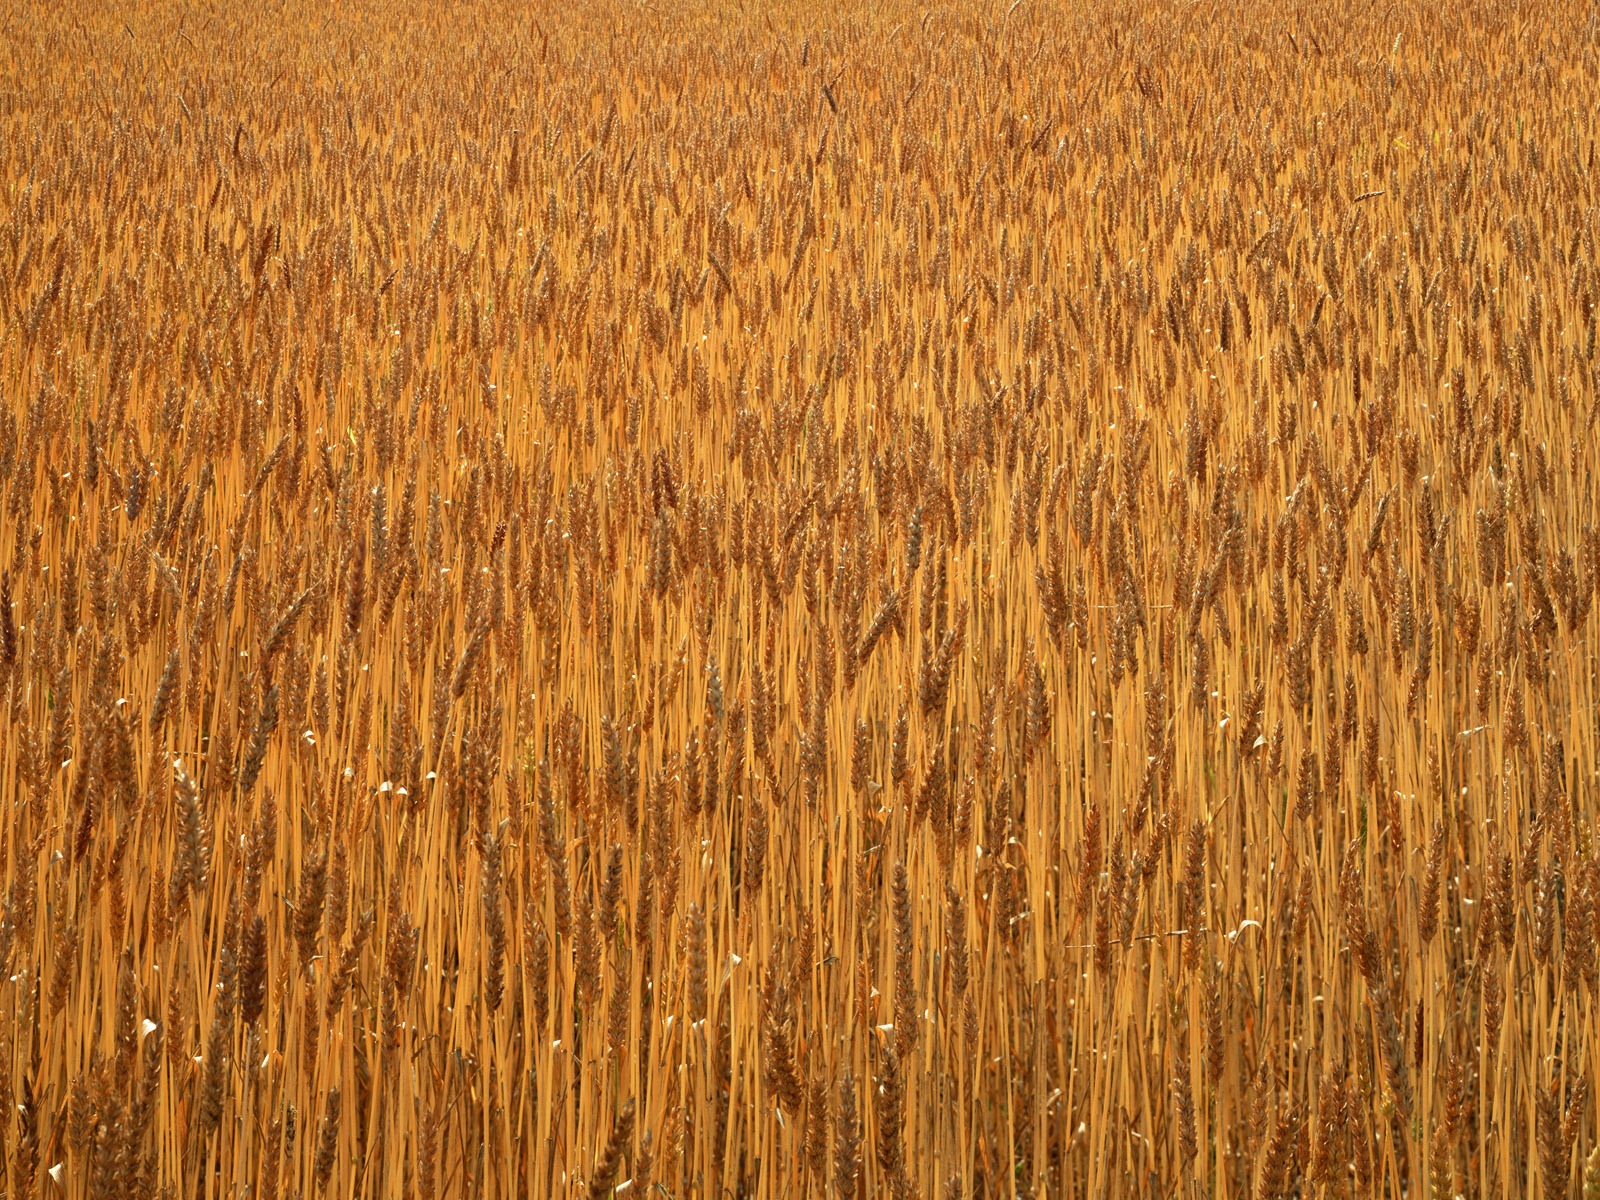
(953, 601)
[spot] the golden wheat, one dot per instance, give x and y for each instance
(718, 601)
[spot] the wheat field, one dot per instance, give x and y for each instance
(713, 601)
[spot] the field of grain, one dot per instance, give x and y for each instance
(641, 599)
